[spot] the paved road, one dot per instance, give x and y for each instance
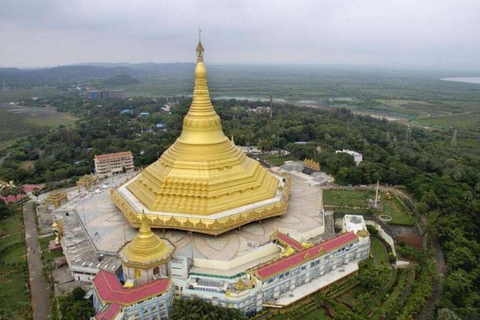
(39, 288)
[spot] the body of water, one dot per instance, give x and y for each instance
(464, 79)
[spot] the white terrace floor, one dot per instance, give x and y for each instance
(109, 229)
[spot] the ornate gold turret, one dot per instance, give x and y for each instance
(146, 256)
(56, 198)
(203, 172)
(311, 164)
(146, 249)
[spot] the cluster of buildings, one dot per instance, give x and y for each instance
(204, 184)
(152, 280)
(105, 94)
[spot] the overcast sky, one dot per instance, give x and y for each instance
(409, 33)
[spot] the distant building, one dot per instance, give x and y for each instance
(144, 114)
(125, 111)
(166, 107)
(113, 163)
(260, 109)
(105, 94)
(357, 157)
(160, 126)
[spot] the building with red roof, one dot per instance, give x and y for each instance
(114, 301)
(148, 292)
(300, 264)
(113, 163)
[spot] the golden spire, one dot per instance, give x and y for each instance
(199, 46)
(203, 172)
(146, 247)
(201, 125)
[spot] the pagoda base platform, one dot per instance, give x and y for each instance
(213, 224)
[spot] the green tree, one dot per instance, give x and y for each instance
(74, 306)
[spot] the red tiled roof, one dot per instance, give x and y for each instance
(283, 264)
(113, 155)
(289, 241)
(31, 187)
(109, 313)
(111, 290)
(13, 198)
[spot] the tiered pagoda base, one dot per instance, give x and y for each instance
(213, 224)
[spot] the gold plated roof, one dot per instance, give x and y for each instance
(203, 172)
(146, 247)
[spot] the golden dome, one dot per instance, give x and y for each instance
(363, 233)
(146, 248)
(203, 172)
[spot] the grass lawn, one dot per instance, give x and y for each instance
(44, 242)
(393, 209)
(347, 198)
(378, 250)
(466, 120)
(14, 297)
(356, 201)
(11, 230)
(22, 93)
(276, 161)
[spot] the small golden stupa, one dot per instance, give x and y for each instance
(146, 255)
(201, 176)
(56, 198)
(86, 181)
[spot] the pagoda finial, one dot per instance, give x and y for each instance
(199, 46)
(145, 225)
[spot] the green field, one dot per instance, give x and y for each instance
(276, 161)
(46, 254)
(23, 94)
(378, 250)
(14, 297)
(347, 198)
(465, 120)
(18, 121)
(356, 202)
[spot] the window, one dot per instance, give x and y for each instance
(137, 273)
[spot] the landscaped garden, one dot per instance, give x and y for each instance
(356, 202)
(377, 289)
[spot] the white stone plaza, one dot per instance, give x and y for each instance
(238, 249)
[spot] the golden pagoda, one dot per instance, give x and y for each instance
(56, 198)
(203, 182)
(86, 181)
(146, 255)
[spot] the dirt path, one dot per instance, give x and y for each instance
(39, 288)
(3, 158)
(437, 284)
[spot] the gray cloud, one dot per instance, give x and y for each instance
(410, 33)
